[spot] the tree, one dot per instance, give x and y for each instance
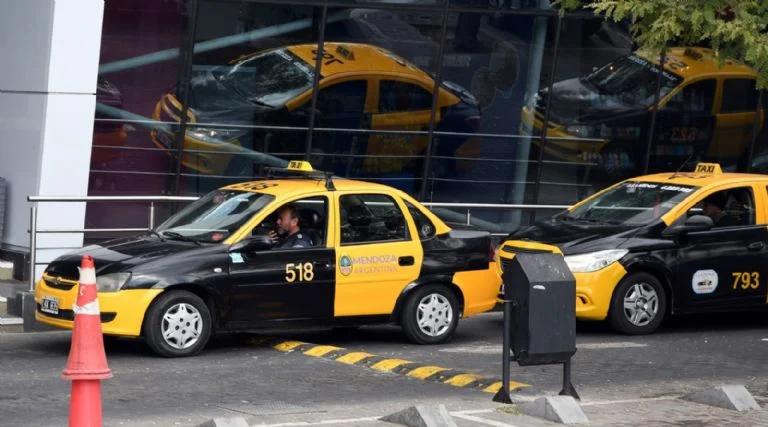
(736, 29)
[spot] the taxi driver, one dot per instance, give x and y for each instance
(288, 235)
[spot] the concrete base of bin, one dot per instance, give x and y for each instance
(225, 422)
(422, 416)
(558, 409)
(734, 397)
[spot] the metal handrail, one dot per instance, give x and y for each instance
(33, 230)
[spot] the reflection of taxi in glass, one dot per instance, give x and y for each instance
(644, 248)
(372, 255)
(703, 108)
(361, 87)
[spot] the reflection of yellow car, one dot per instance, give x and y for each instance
(659, 245)
(361, 87)
(703, 108)
(362, 253)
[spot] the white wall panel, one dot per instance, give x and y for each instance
(25, 44)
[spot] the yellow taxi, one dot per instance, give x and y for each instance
(703, 108)
(660, 245)
(361, 87)
(299, 250)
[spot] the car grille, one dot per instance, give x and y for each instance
(58, 282)
(63, 270)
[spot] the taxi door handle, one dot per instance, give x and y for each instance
(405, 260)
(756, 246)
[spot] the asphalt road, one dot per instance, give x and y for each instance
(236, 377)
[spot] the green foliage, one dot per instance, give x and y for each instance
(736, 29)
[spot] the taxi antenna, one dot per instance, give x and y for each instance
(683, 165)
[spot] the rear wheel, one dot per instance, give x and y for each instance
(177, 324)
(638, 305)
(430, 315)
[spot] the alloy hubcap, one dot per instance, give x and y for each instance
(182, 326)
(434, 315)
(641, 304)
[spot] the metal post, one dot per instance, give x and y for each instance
(151, 215)
(652, 128)
(469, 216)
(568, 388)
(502, 396)
(32, 246)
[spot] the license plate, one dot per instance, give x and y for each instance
(50, 305)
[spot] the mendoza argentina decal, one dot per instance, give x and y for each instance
(345, 265)
(704, 281)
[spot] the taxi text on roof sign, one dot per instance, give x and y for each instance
(709, 168)
(299, 166)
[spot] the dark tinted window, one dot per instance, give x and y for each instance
(424, 226)
(695, 98)
(732, 207)
(397, 96)
(342, 105)
(739, 95)
(367, 218)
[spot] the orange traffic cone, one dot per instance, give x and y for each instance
(87, 362)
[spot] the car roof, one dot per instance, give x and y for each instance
(300, 185)
(698, 61)
(357, 58)
(701, 179)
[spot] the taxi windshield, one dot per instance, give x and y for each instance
(631, 203)
(631, 81)
(271, 78)
(215, 216)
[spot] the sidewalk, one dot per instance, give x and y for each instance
(8, 290)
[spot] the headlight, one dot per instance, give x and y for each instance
(216, 135)
(593, 261)
(111, 282)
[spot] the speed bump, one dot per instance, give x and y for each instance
(420, 371)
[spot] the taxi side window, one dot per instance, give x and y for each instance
(695, 98)
(728, 208)
(371, 218)
(312, 213)
(739, 96)
(424, 226)
(342, 105)
(395, 96)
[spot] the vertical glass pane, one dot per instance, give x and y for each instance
(483, 149)
(250, 91)
(599, 111)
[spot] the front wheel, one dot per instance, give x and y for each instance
(178, 324)
(638, 305)
(430, 315)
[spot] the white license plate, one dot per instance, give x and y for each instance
(50, 305)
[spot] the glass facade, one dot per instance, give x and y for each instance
(459, 101)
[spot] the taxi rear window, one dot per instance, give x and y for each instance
(631, 203)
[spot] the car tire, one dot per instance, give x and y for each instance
(177, 324)
(430, 315)
(638, 305)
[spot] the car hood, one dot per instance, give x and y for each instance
(143, 253)
(573, 237)
(574, 101)
(214, 102)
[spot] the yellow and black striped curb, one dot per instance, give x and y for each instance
(407, 368)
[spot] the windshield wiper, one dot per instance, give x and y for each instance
(159, 236)
(175, 235)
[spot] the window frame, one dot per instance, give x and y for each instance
(408, 234)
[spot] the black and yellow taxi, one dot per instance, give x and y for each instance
(361, 86)
(662, 244)
(705, 107)
(369, 254)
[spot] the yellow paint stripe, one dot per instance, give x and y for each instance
(354, 357)
(495, 387)
(287, 345)
(425, 371)
(321, 350)
(462, 379)
(387, 365)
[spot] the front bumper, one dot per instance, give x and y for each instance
(122, 312)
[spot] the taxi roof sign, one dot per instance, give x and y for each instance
(708, 168)
(299, 166)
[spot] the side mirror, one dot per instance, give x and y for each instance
(252, 244)
(692, 224)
